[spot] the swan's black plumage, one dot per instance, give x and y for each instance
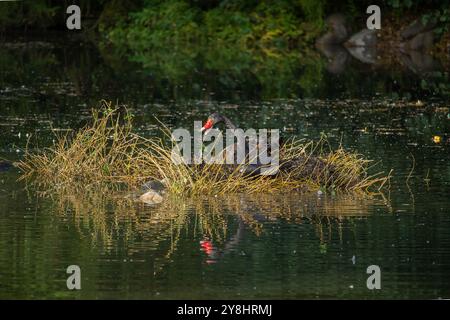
(310, 164)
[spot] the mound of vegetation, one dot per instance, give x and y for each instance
(107, 152)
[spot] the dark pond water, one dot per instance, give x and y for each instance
(264, 246)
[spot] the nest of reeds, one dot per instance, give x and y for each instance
(108, 152)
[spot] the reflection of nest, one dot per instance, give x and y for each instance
(110, 219)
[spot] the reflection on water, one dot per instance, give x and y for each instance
(260, 246)
(264, 246)
(53, 71)
(423, 64)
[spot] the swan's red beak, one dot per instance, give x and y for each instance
(208, 125)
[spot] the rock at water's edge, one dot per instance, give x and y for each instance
(151, 197)
(364, 38)
(422, 41)
(338, 31)
(417, 27)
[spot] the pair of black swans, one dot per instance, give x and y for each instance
(310, 165)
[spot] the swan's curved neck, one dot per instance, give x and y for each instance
(228, 123)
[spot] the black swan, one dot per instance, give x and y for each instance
(311, 165)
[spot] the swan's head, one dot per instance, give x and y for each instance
(212, 120)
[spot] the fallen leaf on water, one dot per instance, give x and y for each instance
(437, 139)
